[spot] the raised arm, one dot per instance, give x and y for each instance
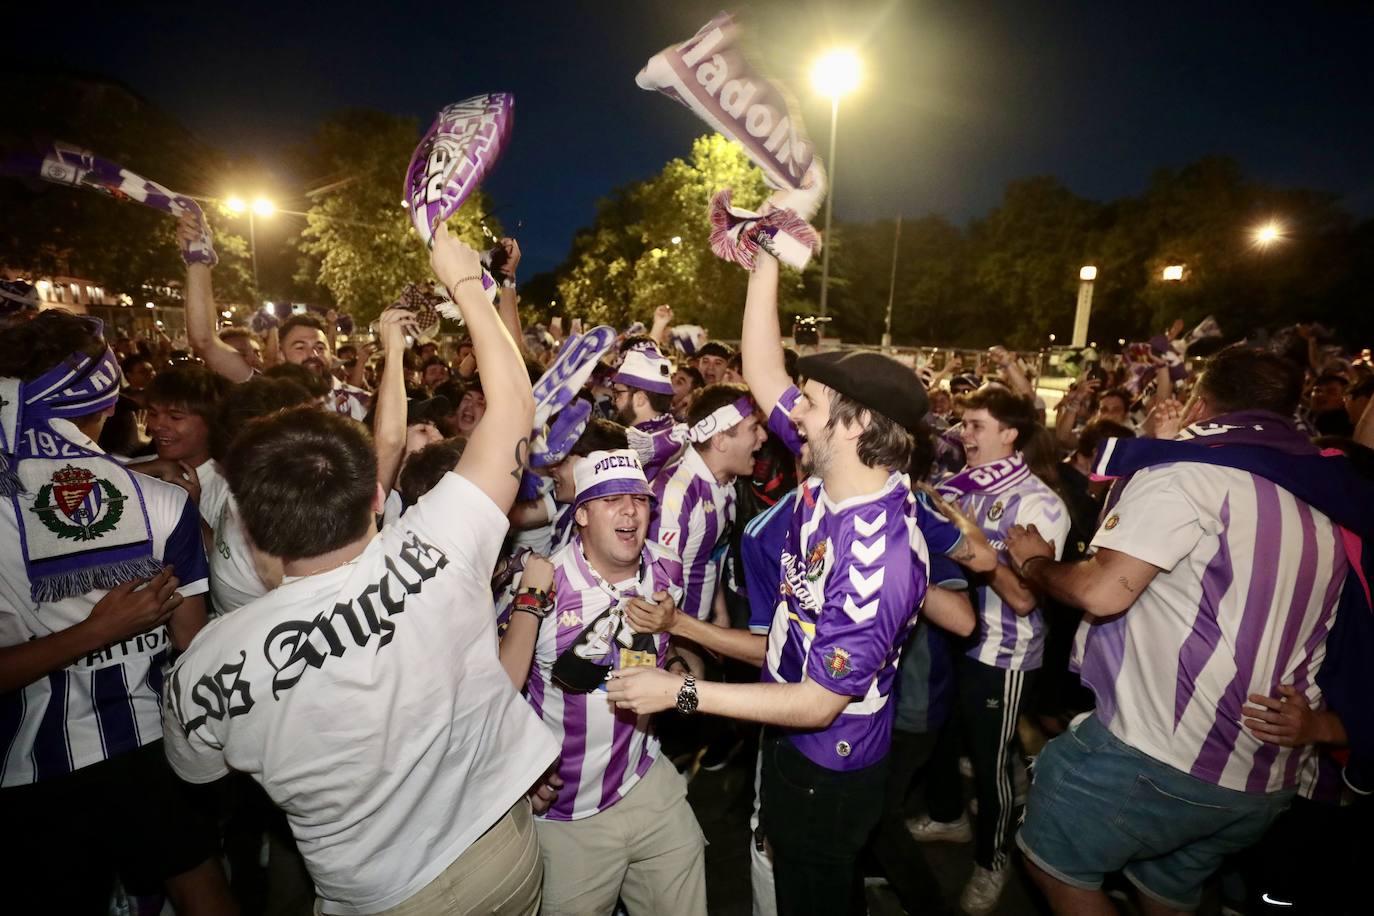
(663, 317)
(200, 317)
(389, 422)
(498, 450)
(765, 372)
(508, 303)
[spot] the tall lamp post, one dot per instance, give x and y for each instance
(1086, 276)
(260, 206)
(833, 75)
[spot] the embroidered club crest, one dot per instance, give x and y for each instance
(815, 561)
(837, 662)
(77, 505)
(995, 512)
(1112, 522)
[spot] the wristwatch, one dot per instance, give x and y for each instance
(687, 695)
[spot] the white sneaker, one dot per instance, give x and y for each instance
(982, 891)
(925, 830)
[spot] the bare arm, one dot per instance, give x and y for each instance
(1012, 372)
(357, 376)
(200, 317)
(950, 611)
(805, 705)
(663, 317)
(662, 616)
(121, 614)
(1103, 585)
(271, 349)
(765, 372)
(517, 645)
(389, 422)
(498, 450)
(187, 619)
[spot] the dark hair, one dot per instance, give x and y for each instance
(194, 389)
(303, 480)
(658, 402)
(922, 452)
(304, 320)
(601, 435)
(637, 340)
(1329, 378)
(1041, 454)
(1361, 387)
(30, 348)
(424, 469)
(257, 397)
(710, 399)
(789, 362)
(1243, 378)
(1006, 407)
(884, 443)
(236, 333)
(317, 385)
(693, 375)
(715, 348)
(127, 364)
(735, 363)
(1096, 432)
(1120, 393)
(434, 361)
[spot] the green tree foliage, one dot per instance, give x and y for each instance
(124, 246)
(358, 244)
(626, 263)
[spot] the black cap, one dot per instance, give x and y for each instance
(878, 382)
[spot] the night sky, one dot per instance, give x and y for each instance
(960, 97)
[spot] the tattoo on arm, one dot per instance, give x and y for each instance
(1126, 584)
(522, 453)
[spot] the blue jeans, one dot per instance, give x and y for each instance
(1097, 805)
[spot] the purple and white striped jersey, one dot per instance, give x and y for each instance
(1246, 594)
(605, 751)
(1004, 638)
(693, 515)
(657, 442)
(107, 702)
(854, 575)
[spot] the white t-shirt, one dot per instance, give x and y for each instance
(214, 490)
(370, 704)
(1249, 580)
(234, 579)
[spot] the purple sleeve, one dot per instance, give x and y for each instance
(185, 552)
(780, 423)
(868, 605)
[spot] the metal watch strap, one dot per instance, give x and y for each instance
(687, 695)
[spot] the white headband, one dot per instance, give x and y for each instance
(722, 419)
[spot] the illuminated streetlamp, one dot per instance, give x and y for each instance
(1173, 273)
(1267, 234)
(1086, 276)
(833, 75)
(260, 206)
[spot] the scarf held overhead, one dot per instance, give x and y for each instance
(81, 516)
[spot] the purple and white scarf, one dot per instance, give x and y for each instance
(737, 235)
(82, 521)
(993, 478)
(722, 419)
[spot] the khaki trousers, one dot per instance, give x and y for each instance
(500, 874)
(647, 849)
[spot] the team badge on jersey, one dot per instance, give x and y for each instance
(1112, 522)
(78, 505)
(815, 561)
(995, 512)
(837, 662)
(569, 619)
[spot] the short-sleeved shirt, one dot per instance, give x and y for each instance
(605, 751)
(106, 703)
(692, 518)
(1004, 638)
(234, 579)
(369, 702)
(1249, 581)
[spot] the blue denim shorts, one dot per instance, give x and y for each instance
(1098, 805)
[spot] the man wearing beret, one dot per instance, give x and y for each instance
(854, 570)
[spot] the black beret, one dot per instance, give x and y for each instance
(878, 382)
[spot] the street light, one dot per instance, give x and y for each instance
(833, 75)
(1173, 273)
(1086, 275)
(261, 206)
(1267, 234)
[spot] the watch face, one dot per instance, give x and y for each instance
(687, 703)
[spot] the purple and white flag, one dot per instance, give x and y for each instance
(454, 155)
(62, 163)
(687, 338)
(561, 381)
(711, 76)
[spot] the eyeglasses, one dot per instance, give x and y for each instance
(618, 390)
